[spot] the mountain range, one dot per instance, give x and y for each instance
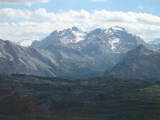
(45, 81)
(17, 59)
(73, 53)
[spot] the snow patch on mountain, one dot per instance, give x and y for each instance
(113, 42)
(79, 36)
(70, 36)
(155, 42)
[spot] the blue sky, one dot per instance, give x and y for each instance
(34, 19)
(148, 6)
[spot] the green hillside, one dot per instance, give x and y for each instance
(35, 98)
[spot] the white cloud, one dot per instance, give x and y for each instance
(27, 2)
(43, 22)
(9, 13)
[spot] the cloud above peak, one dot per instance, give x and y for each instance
(20, 2)
(37, 24)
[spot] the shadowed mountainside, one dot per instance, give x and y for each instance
(17, 59)
(141, 63)
(35, 98)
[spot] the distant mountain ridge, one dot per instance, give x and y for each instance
(140, 63)
(72, 53)
(18, 59)
(155, 42)
(88, 54)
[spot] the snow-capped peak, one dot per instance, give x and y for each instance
(117, 28)
(71, 35)
(75, 29)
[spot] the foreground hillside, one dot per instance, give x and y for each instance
(34, 98)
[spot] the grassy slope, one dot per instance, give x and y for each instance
(33, 98)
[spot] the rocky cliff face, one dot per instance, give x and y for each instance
(141, 62)
(81, 54)
(18, 59)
